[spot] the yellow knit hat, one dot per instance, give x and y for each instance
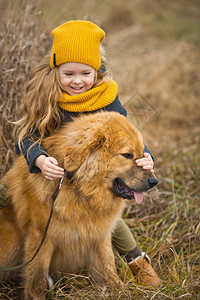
(77, 41)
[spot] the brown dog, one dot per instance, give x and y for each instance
(99, 151)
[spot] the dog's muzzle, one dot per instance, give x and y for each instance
(124, 191)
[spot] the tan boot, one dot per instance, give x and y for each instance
(143, 271)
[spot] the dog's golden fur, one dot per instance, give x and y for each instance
(86, 210)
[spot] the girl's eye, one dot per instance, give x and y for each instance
(86, 73)
(127, 155)
(68, 74)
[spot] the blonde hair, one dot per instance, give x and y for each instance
(40, 111)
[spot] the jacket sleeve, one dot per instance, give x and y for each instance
(116, 106)
(31, 152)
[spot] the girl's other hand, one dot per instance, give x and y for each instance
(146, 162)
(49, 167)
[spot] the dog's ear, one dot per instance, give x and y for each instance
(77, 153)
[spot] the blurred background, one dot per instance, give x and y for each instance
(153, 53)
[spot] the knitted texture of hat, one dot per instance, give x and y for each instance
(77, 41)
(96, 98)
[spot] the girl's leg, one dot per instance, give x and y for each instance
(122, 238)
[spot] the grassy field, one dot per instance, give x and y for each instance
(153, 54)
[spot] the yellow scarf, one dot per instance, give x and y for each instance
(96, 98)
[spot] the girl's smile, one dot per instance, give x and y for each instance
(76, 78)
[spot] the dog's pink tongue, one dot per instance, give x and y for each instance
(138, 197)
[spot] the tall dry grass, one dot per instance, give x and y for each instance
(23, 42)
(153, 53)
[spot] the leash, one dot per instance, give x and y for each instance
(54, 196)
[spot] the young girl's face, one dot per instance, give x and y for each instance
(76, 78)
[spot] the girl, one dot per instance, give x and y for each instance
(71, 81)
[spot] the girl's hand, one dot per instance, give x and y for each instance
(146, 162)
(49, 167)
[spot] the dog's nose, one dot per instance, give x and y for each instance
(152, 182)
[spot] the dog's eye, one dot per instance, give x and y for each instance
(127, 155)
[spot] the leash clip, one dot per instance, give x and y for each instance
(55, 194)
(61, 181)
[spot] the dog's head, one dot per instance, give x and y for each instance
(102, 148)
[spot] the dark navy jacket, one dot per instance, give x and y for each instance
(37, 150)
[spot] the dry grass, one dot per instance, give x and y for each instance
(21, 39)
(154, 55)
